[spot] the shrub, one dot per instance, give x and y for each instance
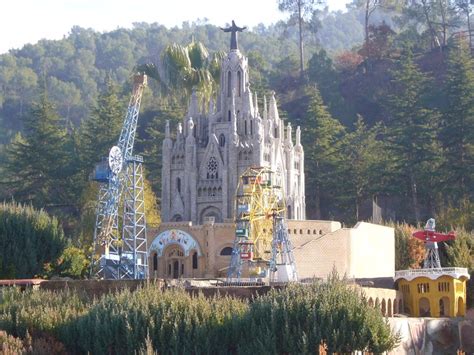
(30, 240)
(295, 320)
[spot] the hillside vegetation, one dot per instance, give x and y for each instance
(386, 108)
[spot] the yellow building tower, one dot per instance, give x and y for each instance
(433, 291)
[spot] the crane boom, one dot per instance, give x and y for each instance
(116, 255)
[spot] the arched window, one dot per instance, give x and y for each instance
(226, 251)
(195, 260)
(155, 261)
(228, 118)
(251, 127)
(239, 82)
(222, 140)
(178, 184)
(212, 166)
(245, 127)
(229, 84)
(176, 218)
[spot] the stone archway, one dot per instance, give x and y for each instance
(444, 307)
(175, 254)
(461, 311)
(174, 261)
(384, 307)
(211, 211)
(424, 309)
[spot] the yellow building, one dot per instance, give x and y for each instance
(439, 292)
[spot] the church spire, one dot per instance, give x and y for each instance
(193, 109)
(255, 105)
(273, 110)
(265, 111)
(298, 136)
(289, 137)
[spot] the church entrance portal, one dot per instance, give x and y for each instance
(175, 261)
(174, 254)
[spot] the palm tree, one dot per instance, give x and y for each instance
(184, 68)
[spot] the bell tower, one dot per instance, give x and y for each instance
(234, 76)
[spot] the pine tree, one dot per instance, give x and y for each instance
(461, 251)
(411, 134)
(362, 171)
(38, 162)
(101, 130)
(457, 129)
(321, 138)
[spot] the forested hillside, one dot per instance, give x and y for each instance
(384, 94)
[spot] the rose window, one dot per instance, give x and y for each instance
(212, 168)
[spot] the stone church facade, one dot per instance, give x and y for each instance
(201, 166)
(217, 142)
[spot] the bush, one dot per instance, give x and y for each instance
(295, 320)
(30, 241)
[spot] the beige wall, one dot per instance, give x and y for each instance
(372, 249)
(365, 251)
(318, 256)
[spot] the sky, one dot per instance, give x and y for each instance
(27, 21)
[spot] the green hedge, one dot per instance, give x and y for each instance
(30, 240)
(295, 320)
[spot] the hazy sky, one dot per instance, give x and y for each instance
(27, 21)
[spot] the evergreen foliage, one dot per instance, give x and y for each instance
(457, 128)
(364, 158)
(297, 319)
(460, 251)
(100, 131)
(321, 135)
(421, 103)
(29, 240)
(30, 172)
(412, 133)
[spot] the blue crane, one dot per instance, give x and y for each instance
(120, 245)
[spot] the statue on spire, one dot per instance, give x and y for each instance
(233, 38)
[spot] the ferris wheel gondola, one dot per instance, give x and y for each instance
(261, 240)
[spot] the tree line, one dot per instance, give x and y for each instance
(388, 119)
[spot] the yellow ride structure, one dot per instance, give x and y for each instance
(261, 235)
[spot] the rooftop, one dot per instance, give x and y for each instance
(433, 274)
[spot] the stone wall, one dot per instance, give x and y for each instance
(95, 288)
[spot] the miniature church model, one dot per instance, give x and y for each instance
(202, 161)
(201, 167)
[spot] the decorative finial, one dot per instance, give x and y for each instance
(190, 126)
(265, 111)
(298, 136)
(255, 105)
(233, 38)
(167, 129)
